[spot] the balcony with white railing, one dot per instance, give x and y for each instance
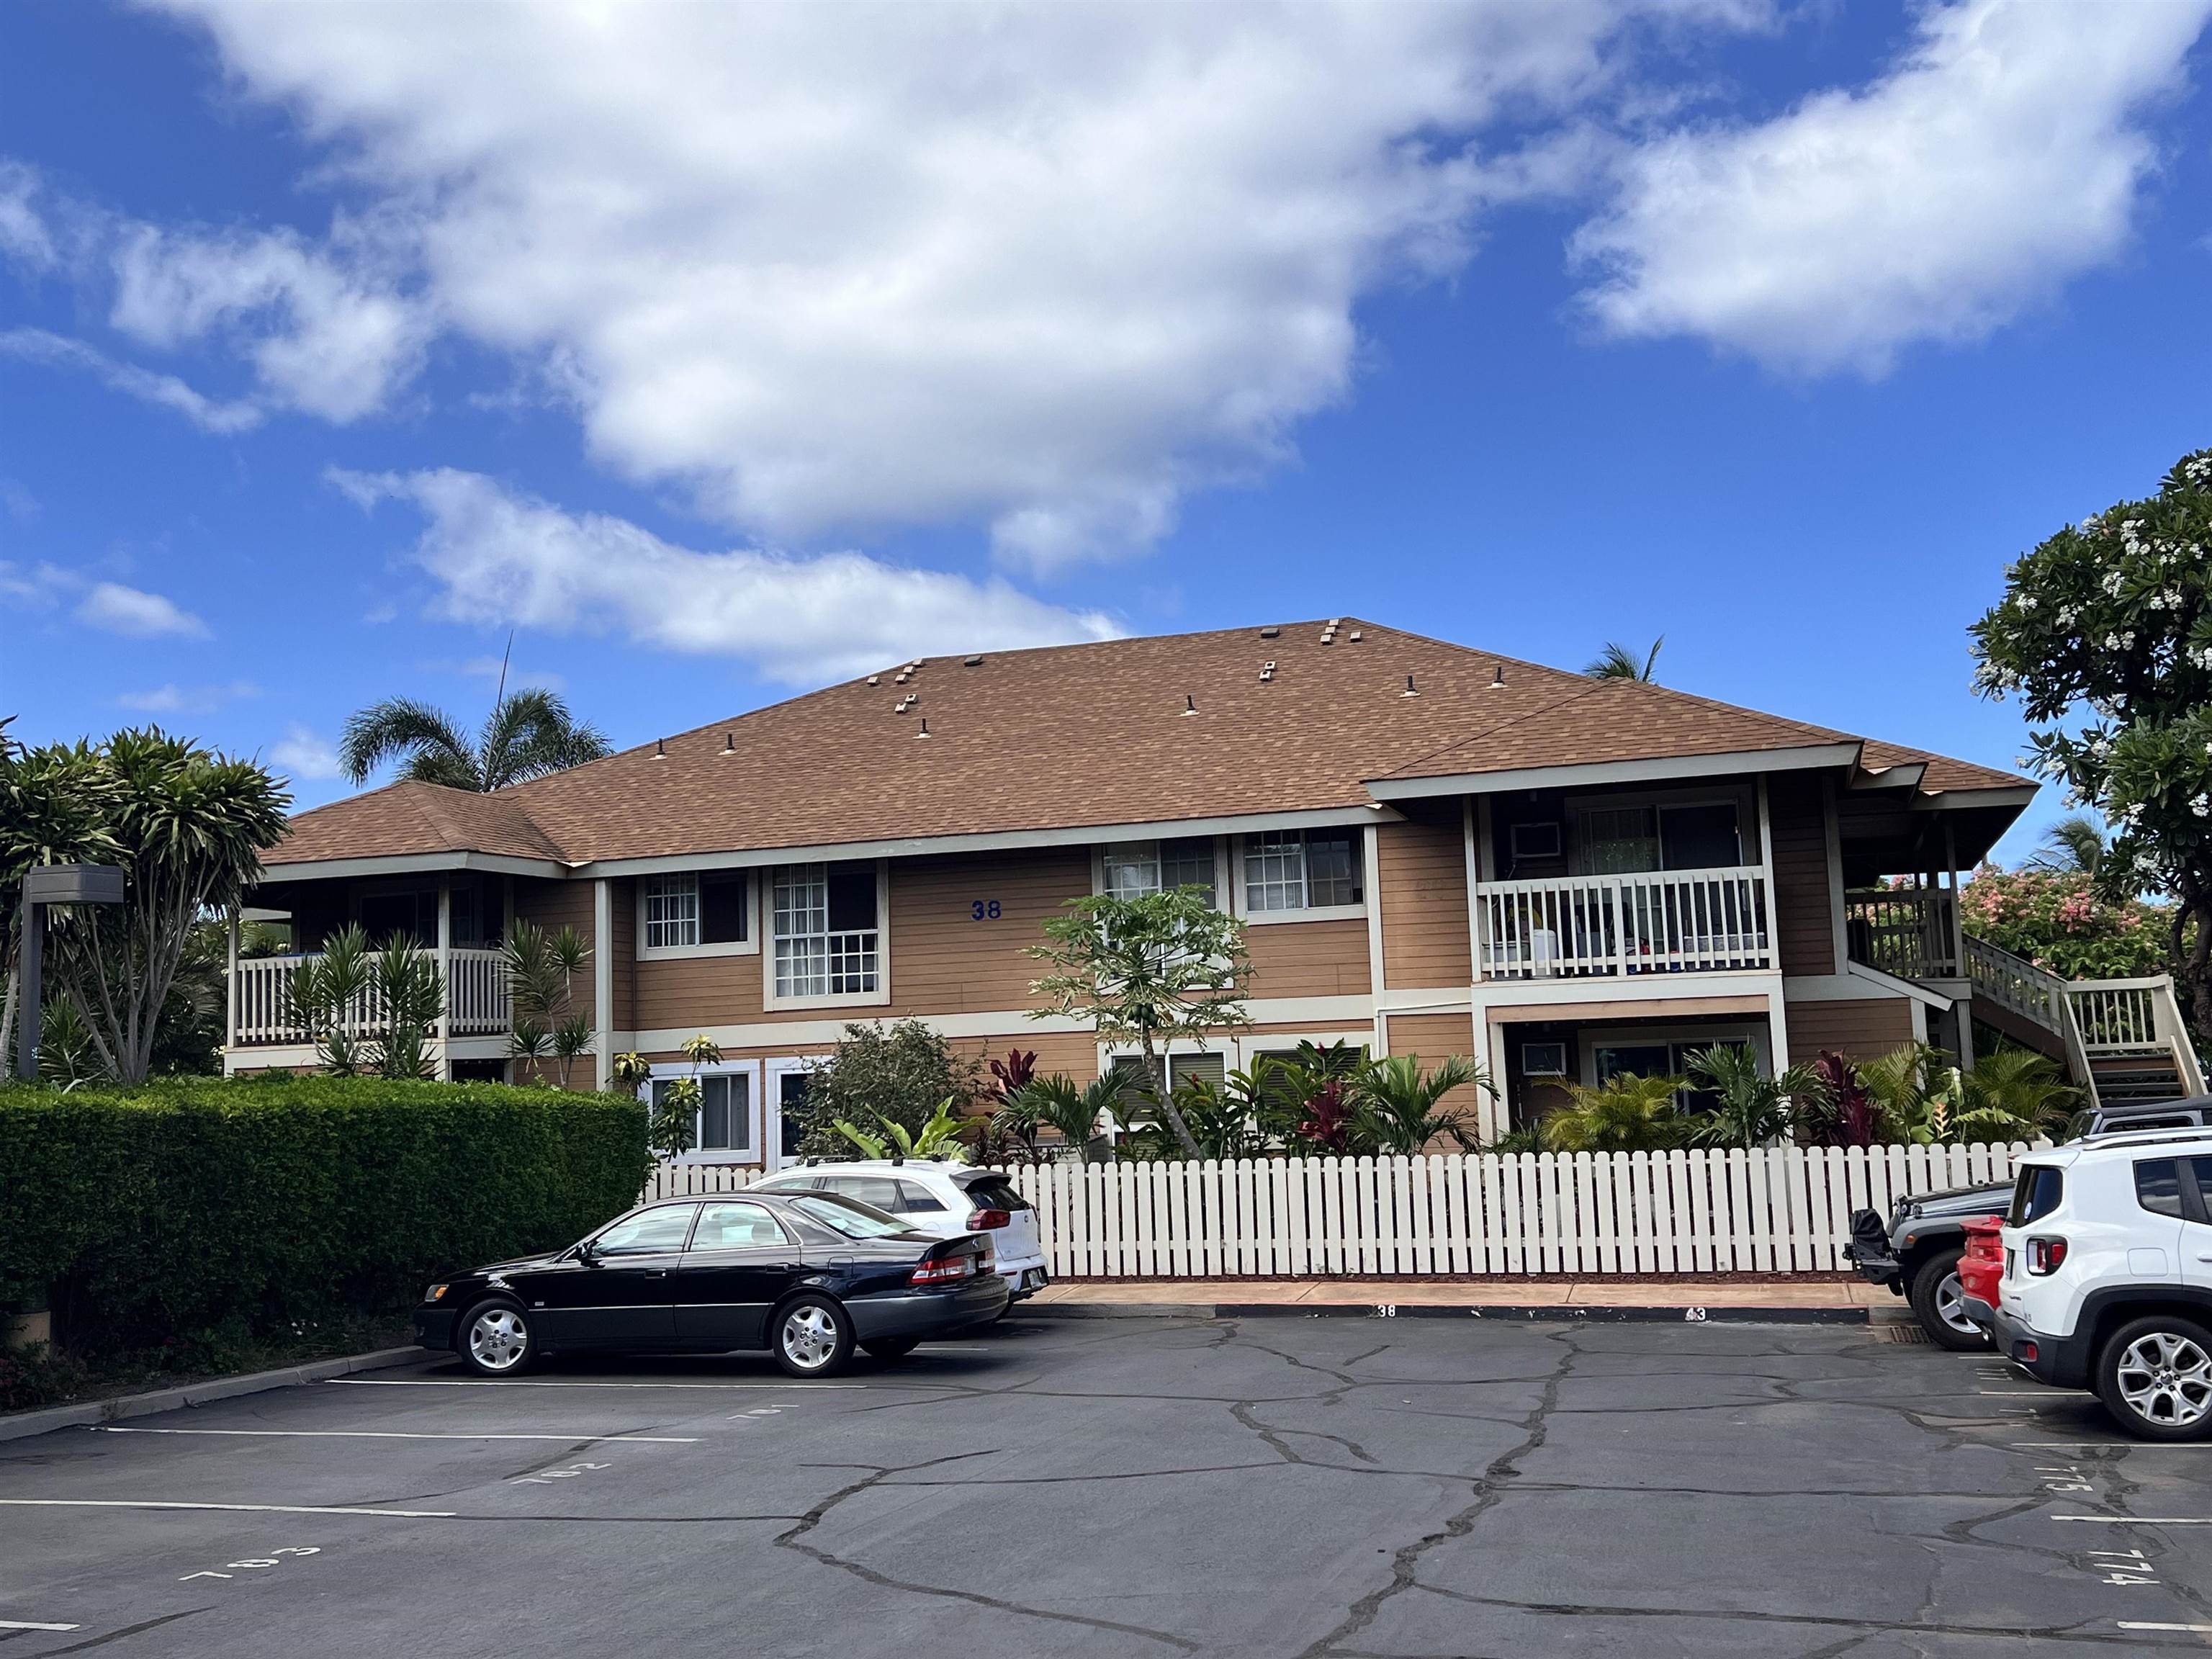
(1910, 930)
(263, 1015)
(1670, 921)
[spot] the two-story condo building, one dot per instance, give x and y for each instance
(1440, 851)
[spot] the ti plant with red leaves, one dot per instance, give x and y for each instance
(1013, 1072)
(1853, 1116)
(1328, 1121)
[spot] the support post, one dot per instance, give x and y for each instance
(230, 984)
(603, 980)
(444, 979)
(1371, 841)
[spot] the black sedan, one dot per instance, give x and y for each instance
(806, 1277)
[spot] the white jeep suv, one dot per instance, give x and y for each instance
(2108, 1277)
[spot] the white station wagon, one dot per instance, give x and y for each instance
(941, 1200)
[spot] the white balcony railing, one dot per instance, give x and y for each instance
(1904, 931)
(1669, 921)
(476, 999)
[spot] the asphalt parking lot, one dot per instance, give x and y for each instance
(1277, 1486)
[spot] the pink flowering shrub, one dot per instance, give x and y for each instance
(2058, 922)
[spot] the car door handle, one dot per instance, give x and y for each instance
(656, 1272)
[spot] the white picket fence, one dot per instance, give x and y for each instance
(1783, 1210)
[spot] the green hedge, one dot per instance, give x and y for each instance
(164, 1213)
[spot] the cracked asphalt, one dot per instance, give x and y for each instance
(1278, 1486)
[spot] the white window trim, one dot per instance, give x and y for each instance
(1223, 900)
(754, 1098)
(773, 1073)
(748, 946)
(1242, 911)
(879, 998)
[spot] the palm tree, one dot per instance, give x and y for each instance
(1750, 1108)
(2015, 1094)
(1618, 662)
(1402, 1109)
(528, 735)
(2072, 846)
(1629, 1114)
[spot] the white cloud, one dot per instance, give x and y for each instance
(304, 754)
(2001, 157)
(174, 699)
(323, 339)
(34, 587)
(164, 391)
(1042, 268)
(23, 234)
(502, 558)
(130, 611)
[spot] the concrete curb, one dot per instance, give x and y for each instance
(1560, 1313)
(23, 1425)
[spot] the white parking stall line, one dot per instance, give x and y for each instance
(2140, 1624)
(251, 1508)
(396, 1434)
(26, 1624)
(548, 1383)
(2143, 1520)
(2106, 1445)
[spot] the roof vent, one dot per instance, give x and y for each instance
(729, 744)
(875, 679)
(1189, 703)
(1498, 676)
(1266, 670)
(1409, 691)
(1353, 636)
(925, 727)
(1271, 633)
(899, 678)
(660, 749)
(971, 662)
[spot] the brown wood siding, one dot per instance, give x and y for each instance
(621, 946)
(1309, 958)
(1803, 926)
(553, 905)
(1436, 1037)
(1856, 1030)
(1423, 881)
(943, 961)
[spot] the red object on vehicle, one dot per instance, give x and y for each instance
(1982, 1265)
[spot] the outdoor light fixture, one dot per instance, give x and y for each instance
(52, 883)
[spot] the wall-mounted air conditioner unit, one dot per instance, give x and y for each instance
(1535, 840)
(1543, 1060)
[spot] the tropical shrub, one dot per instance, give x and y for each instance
(1624, 1114)
(2059, 922)
(1749, 1108)
(1398, 1109)
(163, 1214)
(899, 1073)
(1069, 1109)
(541, 976)
(936, 1137)
(330, 992)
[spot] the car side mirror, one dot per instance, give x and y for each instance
(587, 1252)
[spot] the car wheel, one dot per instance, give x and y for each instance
(2154, 1376)
(1940, 1305)
(813, 1337)
(892, 1347)
(496, 1339)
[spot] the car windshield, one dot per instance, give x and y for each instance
(849, 1216)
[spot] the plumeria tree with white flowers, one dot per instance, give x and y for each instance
(2105, 635)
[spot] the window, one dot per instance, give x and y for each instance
(1300, 869)
(725, 1121)
(2035, 1194)
(826, 930)
(994, 1192)
(852, 1219)
(915, 1199)
(1136, 1086)
(1133, 868)
(707, 912)
(650, 1232)
(736, 1227)
(2158, 1187)
(878, 1192)
(1638, 840)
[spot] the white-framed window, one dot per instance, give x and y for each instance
(826, 926)
(727, 1127)
(696, 913)
(1303, 870)
(1130, 869)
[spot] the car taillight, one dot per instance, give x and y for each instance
(984, 1220)
(2045, 1256)
(944, 1269)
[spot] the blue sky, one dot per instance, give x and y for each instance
(718, 353)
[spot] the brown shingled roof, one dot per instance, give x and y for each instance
(1060, 737)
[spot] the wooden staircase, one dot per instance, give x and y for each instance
(2123, 1040)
